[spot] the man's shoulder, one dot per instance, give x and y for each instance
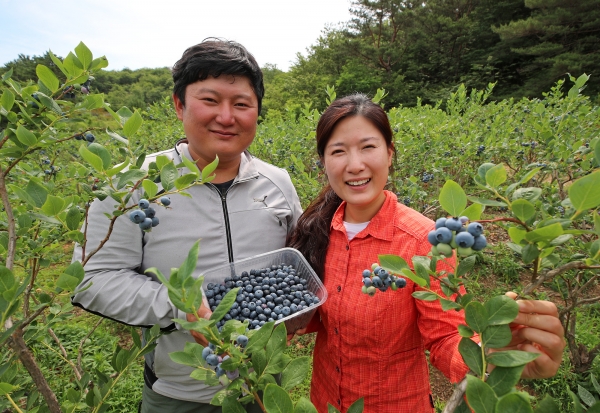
(277, 175)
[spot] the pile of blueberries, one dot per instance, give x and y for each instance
(454, 233)
(379, 279)
(480, 149)
(146, 217)
(427, 177)
(266, 294)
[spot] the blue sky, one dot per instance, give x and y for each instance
(135, 34)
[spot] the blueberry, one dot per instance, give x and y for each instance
(89, 137)
(453, 224)
(165, 200)
(431, 237)
(242, 340)
(212, 360)
(206, 352)
(143, 204)
(475, 229)
(444, 249)
(480, 243)
(443, 235)
(463, 220)
(137, 216)
(367, 282)
(146, 223)
(155, 221)
(286, 311)
(464, 240)
(440, 223)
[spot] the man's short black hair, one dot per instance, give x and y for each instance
(215, 57)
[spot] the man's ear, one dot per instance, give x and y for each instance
(179, 106)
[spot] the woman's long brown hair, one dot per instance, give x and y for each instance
(311, 235)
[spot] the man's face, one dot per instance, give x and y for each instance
(219, 118)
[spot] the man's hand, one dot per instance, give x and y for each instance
(203, 312)
(537, 329)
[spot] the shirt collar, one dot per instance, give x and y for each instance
(381, 225)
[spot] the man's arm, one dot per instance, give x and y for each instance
(114, 286)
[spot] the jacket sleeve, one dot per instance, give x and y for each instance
(439, 332)
(113, 286)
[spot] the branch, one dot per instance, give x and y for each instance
(457, 397)
(80, 349)
(64, 353)
(515, 220)
(12, 234)
(579, 265)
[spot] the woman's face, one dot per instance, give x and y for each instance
(357, 160)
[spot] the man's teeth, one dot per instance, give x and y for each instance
(357, 183)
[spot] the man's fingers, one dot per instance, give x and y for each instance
(540, 321)
(547, 342)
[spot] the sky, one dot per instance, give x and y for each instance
(151, 33)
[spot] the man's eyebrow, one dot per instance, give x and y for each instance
(215, 92)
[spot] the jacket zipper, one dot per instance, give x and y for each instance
(226, 216)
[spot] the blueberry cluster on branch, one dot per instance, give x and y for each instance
(455, 233)
(146, 217)
(379, 279)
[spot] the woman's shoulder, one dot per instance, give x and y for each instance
(412, 222)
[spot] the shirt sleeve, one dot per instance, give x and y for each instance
(113, 286)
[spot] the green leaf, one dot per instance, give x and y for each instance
(102, 153)
(260, 338)
(514, 403)
(597, 152)
(413, 277)
(231, 405)
(94, 160)
(503, 379)
(476, 316)
(168, 174)
(7, 100)
(465, 331)
(118, 168)
(471, 354)
(331, 409)
(225, 305)
(202, 375)
(188, 267)
(511, 358)
(561, 239)
(191, 166)
(6, 388)
(7, 279)
(209, 169)
(517, 234)
(357, 407)
(116, 136)
(473, 212)
(584, 192)
(187, 359)
(73, 218)
(530, 194)
(184, 180)
(465, 265)
(277, 400)
(47, 77)
(25, 136)
(295, 372)
(72, 277)
(259, 361)
(131, 176)
(150, 188)
(90, 102)
(424, 295)
(49, 103)
(547, 233)
(482, 171)
(523, 209)
(576, 402)
(132, 124)
(501, 310)
(453, 198)
(392, 263)
(449, 305)
(72, 65)
(57, 62)
(53, 205)
(480, 396)
(496, 336)
(36, 192)
(99, 63)
(486, 202)
(529, 253)
(585, 396)
(496, 176)
(547, 405)
(84, 55)
(278, 340)
(304, 406)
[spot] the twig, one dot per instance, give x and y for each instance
(64, 353)
(574, 265)
(80, 349)
(457, 397)
(10, 218)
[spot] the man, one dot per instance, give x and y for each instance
(248, 209)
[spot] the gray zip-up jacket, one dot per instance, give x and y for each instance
(254, 216)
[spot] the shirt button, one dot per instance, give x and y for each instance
(347, 247)
(337, 369)
(335, 330)
(339, 288)
(339, 401)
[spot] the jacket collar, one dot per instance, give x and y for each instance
(246, 171)
(381, 225)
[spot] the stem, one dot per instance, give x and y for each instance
(260, 404)
(19, 346)
(76, 370)
(13, 403)
(557, 271)
(80, 349)
(515, 220)
(12, 234)
(457, 397)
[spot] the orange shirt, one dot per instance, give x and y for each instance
(374, 347)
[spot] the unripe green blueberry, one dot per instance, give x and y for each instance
(453, 242)
(373, 266)
(434, 251)
(465, 252)
(364, 289)
(371, 291)
(393, 286)
(444, 249)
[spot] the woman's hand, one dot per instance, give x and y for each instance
(203, 312)
(537, 329)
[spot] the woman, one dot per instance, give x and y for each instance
(374, 347)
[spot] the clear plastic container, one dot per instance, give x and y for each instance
(287, 256)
